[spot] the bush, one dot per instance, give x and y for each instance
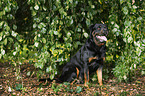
(47, 33)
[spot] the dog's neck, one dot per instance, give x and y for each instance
(96, 45)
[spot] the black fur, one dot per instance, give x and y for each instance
(92, 48)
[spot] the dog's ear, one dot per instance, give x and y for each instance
(91, 28)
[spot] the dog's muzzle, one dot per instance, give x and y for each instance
(101, 38)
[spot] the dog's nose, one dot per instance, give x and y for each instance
(102, 31)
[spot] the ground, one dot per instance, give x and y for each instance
(29, 85)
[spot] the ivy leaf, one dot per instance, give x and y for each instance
(36, 7)
(130, 39)
(34, 25)
(36, 44)
(127, 23)
(121, 1)
(1, 23)
(44, 40)
(28, 73)
(47, 69)
(14, 27)
(78, 89)
(2, 51)
(125, 10)
(18, 86)
(14, 34)
(56, 32)
(86, 35)
(5, 41)
(68, 34)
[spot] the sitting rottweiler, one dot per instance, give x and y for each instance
(89, 58)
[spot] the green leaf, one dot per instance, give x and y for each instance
(47, 69)
(7, 8)
(0, 38)
(33, 13)
(18, 86)
(2, 51)
(36, 44)
(14, 27)
(36, 7)
(125, 10)
(100, 1)
(28, 73)
(127, 23)
(121, 1)
(43, 30)
(68, 34)
(34, 25)
(44, 40)
(55, 32)
(1, 24)
(39, 64)
(79, 29)
(114, 30)
(5, 41)
(10, 16)
(14, 53)
(86, 35)
(130, 39)
(6, 27)
(51, 76)
(88, 22)
(139, 18)
(14, 34)
(78, 89)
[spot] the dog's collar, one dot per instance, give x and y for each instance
(101, 44)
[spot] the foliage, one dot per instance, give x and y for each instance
(18, 86)
(65, 87)
(129, 43)
(47, 33)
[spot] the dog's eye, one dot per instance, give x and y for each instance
(99, 28)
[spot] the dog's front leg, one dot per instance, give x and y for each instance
(86, 75)
(99, 74)
(99, 71)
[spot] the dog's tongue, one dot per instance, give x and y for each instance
(102, 38)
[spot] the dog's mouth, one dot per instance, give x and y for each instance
(101, 38)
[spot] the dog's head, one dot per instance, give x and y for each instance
(98, 33)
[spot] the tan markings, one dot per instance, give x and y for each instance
(103, 58)
(86, 81)
(99, 74)
(77, 72)
(88, 76)
(92, 58)
(73, 82)
(77, 77)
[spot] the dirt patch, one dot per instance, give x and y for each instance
(11, 84)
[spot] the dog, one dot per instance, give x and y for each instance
(89, 58)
